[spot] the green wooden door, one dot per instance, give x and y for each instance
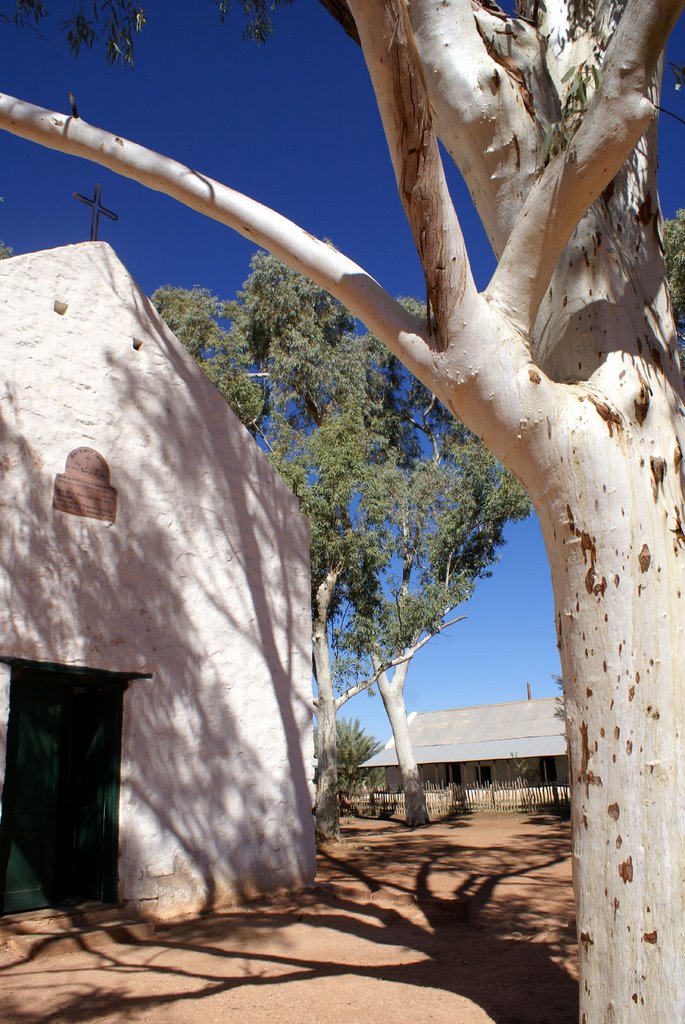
(58, 839)
(30, 798)
(93, 792)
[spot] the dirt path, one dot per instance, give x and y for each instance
(466, 922)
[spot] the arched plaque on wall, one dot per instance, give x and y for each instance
(83, 489)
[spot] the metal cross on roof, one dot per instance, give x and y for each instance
(96, 209)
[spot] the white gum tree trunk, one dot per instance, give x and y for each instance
(392, 695)
(591, 419)
(611, 509)
(566, 366)
(327, 810)
(618, 563)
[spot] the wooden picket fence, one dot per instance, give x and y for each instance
(516, 795)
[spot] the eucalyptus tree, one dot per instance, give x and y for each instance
(406, 507)
(448, 501)
(295, 370)
(674, 246)
(565, 365)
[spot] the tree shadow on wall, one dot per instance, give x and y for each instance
(201, 582)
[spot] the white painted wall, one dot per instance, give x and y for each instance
(203, 581)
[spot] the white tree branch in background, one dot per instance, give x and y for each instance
(401, 331)
(381, 667)
(612, 126)
(488, 353)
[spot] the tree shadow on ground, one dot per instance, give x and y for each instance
(436, 910)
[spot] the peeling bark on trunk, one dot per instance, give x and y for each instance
(593, 423)
(612, 513)
(392, 694)
(617, 552)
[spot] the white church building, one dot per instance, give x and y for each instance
(155, 629)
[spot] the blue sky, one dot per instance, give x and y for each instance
(294, 125)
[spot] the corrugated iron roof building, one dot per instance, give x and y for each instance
(492, 742)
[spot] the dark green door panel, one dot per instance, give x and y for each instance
(93, 776)
(58, 838)
(31, 795)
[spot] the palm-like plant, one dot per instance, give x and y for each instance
(354, 747)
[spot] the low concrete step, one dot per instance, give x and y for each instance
(57, 931)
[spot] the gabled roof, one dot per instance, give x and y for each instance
(524, 728)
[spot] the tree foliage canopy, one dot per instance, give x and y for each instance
(674, 246)
(407, 508)
(301, 379)
(114, 24)
(448, 500)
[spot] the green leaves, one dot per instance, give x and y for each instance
(320, 420)
(674, 254)
(583, 80)
(448, 506)
(114, 24)
(195, 318)
(258, 13)
(354, 747)
(307, 338)
(406, 507)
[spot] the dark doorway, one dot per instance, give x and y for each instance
(548, 769)
(58, 837)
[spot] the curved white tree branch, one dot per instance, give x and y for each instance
(400, 330)
(483, 350)
(381, 667)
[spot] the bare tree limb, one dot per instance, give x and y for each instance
(488, 351)
(403, 332)
(380, 667)
(611, 128)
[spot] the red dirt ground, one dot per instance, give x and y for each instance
(467, 921)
